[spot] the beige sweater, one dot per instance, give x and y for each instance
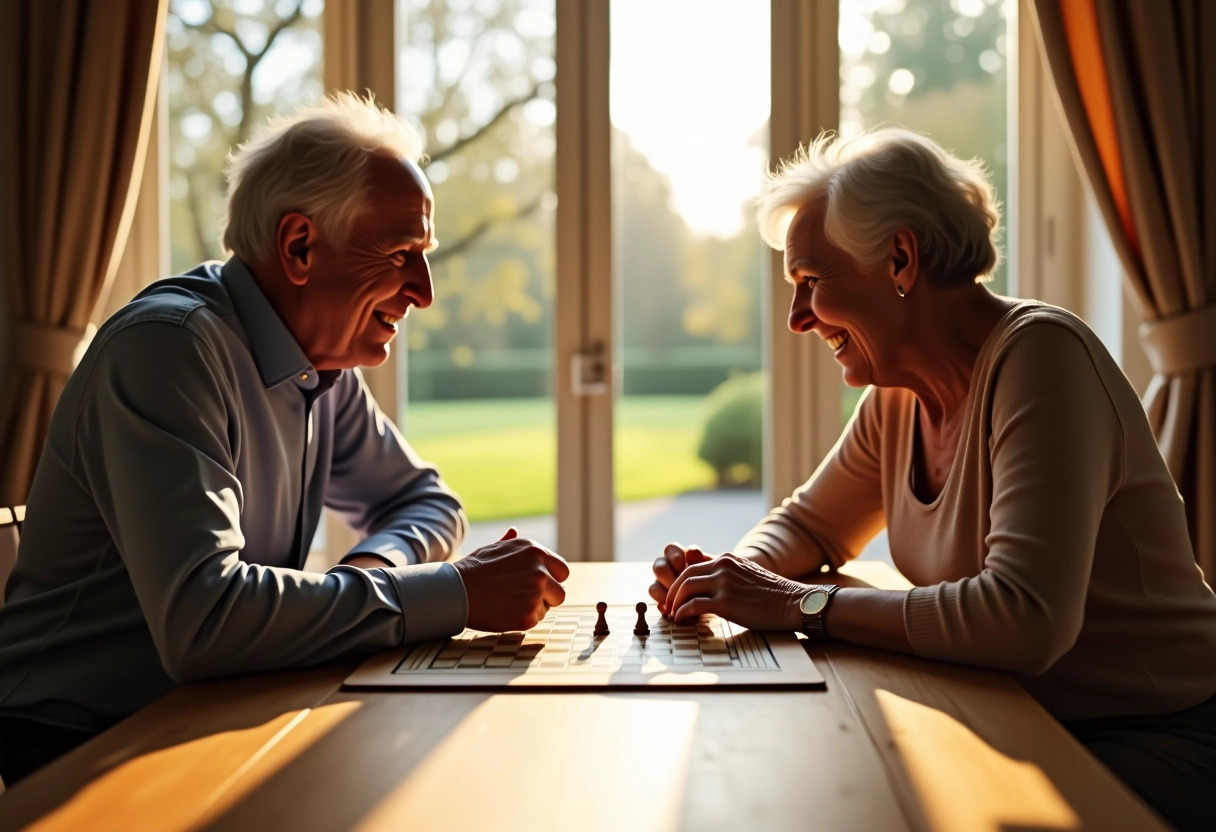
(1058, 548)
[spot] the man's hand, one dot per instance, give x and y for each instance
(675, 560)
(511, 584)
(738, 590)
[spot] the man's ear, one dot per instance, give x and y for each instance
(904, 261)
(294, 243)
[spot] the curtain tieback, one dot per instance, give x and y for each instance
(51, 349)
(1181, 343)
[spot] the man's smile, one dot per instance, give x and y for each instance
(388, 320)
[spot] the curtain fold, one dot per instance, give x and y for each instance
(1136, 81)
(77, 87)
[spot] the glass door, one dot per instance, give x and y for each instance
(689, 96)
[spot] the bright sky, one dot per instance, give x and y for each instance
(690, 85)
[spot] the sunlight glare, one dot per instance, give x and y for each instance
(690, 86)
(961, 781)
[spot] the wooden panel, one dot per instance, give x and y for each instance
(165, 765)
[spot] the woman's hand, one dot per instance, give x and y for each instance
(736, 589)
(675, 559)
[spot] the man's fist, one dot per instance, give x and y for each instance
(511, 584)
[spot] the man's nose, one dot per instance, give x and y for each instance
(421, 288)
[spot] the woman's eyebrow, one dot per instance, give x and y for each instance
(802, 263)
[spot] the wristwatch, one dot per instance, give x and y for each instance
(813, 605)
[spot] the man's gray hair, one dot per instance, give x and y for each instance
(880, 182)
(313, 161)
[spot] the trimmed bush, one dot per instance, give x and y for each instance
(732, 440)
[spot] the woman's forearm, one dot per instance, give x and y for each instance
(868, 617)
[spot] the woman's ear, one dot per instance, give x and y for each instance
(294, 246)
(904, 260)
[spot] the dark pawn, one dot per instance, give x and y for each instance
(642, 628)
(601, 623)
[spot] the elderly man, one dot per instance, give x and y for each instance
(211, 420)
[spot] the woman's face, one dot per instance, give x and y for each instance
(854, 311)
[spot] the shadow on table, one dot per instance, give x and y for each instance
(199, 734)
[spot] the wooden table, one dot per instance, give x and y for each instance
(893, 743)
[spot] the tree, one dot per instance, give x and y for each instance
(219, 60)
(938, 67)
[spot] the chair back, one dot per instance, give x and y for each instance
(10, 532)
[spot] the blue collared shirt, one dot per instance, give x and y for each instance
(183, 477)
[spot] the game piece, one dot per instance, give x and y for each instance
(601, 623)
(642, 628)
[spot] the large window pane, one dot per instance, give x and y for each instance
(935, 66)
(232, 63)
(689, 93)
(477, 78)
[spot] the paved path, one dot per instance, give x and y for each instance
(713, 520)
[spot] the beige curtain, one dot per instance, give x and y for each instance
(77, 85)
(1137, 82)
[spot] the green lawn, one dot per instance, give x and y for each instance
(499, 455)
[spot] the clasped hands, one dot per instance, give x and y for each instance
(688, 583)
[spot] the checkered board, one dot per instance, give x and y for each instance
(562, 651)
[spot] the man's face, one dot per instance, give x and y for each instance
(359, 292)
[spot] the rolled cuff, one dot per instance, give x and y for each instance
(433, 600)
(924, 617)
(388, 547)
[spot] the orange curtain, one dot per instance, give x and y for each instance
(77, 85)
(1136, 80)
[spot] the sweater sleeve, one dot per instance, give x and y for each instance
(830, 518)
(1056, 449)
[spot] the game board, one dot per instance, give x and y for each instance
(563, 652)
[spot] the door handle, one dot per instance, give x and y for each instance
(589, 371)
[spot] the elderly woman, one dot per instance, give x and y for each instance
(1006, 454)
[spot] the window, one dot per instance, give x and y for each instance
(690, 151)
(478, 379)
(231, 64)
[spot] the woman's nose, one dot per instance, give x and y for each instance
(801, 316)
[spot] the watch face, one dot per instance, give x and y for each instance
(813, 602)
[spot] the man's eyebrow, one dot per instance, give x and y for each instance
(410, 239)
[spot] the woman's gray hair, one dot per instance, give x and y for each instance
(880, 182)
(313, 161)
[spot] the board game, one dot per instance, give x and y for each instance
(563, 651)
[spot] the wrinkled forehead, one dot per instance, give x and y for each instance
(399, 180)
(805, 232)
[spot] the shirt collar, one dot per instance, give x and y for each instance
(275, 351)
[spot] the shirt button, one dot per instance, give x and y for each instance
(303, 376)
